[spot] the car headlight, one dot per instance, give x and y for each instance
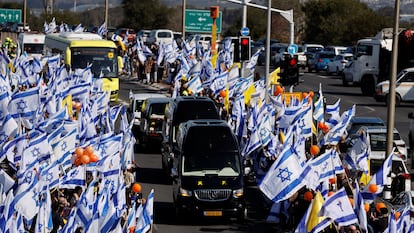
(151, 129)
(238, 193)
(185, 192)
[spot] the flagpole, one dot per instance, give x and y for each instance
(269, 16)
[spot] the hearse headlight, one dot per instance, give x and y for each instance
(185, 192)
(238, 193)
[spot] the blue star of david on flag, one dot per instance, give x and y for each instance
(263, 132)
(284, 174)
(21, 105)
(36, 152)
(28, 177)
(49, 176)
(63, 146)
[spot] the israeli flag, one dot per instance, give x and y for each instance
(339, 209)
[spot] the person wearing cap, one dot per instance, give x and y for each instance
(378, 219)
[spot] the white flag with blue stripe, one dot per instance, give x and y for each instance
(195, 85)
(380, 179)
(283, 178)
(339, 209)
(75, 177)
(145, 220)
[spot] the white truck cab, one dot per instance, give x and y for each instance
(33, 43)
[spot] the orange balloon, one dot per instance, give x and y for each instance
(79, 152)
(325, 129)
(314, 150)
(373, 188)
(85, 159)
(308, 196)
(223, 93)
(78, 162)
(136, 188)
(304, 94)
(397, 215)
(88, 150)
(311, 93)
(321, 125)
(366, 207)
(94, 158)
(278, 91)
(331, 193)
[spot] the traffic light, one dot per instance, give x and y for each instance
(245, 50)
(214, 12)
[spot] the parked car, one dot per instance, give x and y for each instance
(143, 34)
(7, 26)
(320, 61)
(378, 141)
(160, 36)
(122, 32)
(335, 49)
(20, 27)
(404, 88)
(359, 121)
(275, 48)
(339, 62)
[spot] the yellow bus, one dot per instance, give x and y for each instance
(78, 49)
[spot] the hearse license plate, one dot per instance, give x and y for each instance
(213, 213)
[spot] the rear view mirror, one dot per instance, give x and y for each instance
(411, 115)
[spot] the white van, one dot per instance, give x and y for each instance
(160, 36)
(33, 43)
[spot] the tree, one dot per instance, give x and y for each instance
(148, 14)
(340, 22)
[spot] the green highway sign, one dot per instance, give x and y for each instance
(200, 21)
(10, 15)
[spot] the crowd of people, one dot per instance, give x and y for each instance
(273, 135)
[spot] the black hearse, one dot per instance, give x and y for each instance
(182, 109)
(207, 171)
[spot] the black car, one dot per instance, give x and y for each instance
(207, 172)
(152, 120)
(182, 109)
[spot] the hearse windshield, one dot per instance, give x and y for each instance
(216, 153)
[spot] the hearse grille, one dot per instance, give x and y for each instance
(212, 194)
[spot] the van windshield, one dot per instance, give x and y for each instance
(211, 150)
(199, 110)
(203, 163)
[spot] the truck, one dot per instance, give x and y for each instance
(372, 59)
(33, 43)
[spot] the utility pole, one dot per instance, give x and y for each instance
(106, 13)
(244, 20)
(183, 30)
(391, 106)
(24, 14)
